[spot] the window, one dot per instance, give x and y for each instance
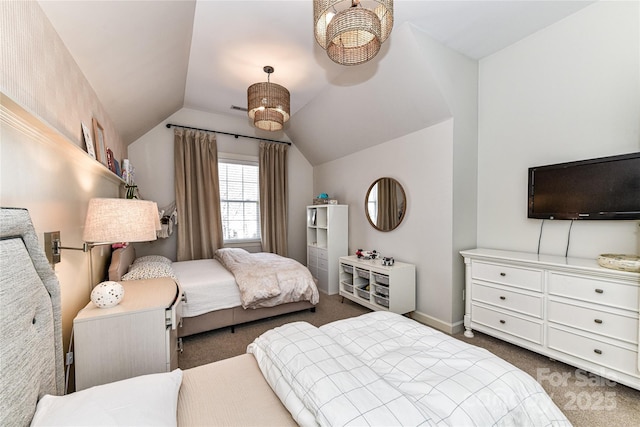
(239, 200)
(372, 204)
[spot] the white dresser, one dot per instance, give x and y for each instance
(136, 337)
(570, 309)
(378, 287)
(327, 239)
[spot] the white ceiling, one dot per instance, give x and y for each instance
(147, 59)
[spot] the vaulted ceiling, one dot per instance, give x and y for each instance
(148, 59)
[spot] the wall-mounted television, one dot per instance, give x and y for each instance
(602, 188)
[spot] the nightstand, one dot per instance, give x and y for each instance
(136, 337)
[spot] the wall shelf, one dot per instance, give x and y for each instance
(37, 130)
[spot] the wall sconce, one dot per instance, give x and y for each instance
(110, 221)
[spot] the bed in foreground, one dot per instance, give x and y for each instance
(225, 291)
(375, 369)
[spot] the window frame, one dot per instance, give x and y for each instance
(240, 159)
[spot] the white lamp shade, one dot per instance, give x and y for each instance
(121, 220)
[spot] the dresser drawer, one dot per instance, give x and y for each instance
(516, 301)
(507, 275)
(604, 354)
(312, 261)
(516, 326)
(592, 320)
(323, 264)
(312, 251)
(597, 291)
(322, 253)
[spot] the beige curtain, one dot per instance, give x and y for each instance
(197, 194)
(273, 197)
(387, 204)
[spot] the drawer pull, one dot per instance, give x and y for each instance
(596, 351)
(503, 321)
(597, 320)
(503, 274)
(503, 298)
(599, 291)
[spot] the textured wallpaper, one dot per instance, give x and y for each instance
(38, 72)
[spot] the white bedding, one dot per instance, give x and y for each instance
(208, 286)
(385, 369)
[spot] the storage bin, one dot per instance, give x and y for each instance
(362, 291)
(381, 278)
(381, 290)
(348, 280)
(347, 268)
(381, 301)
(347, 287)
(363, 273)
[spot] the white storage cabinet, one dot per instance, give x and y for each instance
(378, 287)
(327, 239)
(569, 309)
(136, 337)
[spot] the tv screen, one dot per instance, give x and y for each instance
(603, 188)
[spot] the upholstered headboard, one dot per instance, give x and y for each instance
(31, 353)
(121, 259)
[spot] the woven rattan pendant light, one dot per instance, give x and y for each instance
(268, 104)
(352, 31)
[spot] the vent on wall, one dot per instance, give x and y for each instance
(235, 107)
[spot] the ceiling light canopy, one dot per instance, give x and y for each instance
(352, 31)
(268, 104)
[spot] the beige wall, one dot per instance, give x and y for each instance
(44, 166)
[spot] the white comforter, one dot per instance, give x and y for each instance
(266, 279)
(385, 369)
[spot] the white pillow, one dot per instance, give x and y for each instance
(149, 270)
(153, 258)
(147, 400)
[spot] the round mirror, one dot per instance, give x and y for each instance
(385, 204)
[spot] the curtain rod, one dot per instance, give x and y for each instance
(236, 135)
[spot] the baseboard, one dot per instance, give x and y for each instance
(449, 328)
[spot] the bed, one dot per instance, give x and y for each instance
(376, 369)
(213, 297)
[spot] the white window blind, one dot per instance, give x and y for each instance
(239, 200)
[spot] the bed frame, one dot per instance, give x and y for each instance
(122, 258)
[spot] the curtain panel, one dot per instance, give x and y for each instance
(197, 194)
(388, 216)
(273, 197)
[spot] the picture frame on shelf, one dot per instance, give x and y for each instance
(88, 141)
(100, 144)
(110, 159)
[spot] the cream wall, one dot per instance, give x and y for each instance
(424, 236)
(44, 166)
(437, 168)
(152, 157)
(569, 92)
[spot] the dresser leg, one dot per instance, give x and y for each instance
(468, 333)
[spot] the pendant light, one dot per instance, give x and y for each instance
(268, 104)
(350, 32)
